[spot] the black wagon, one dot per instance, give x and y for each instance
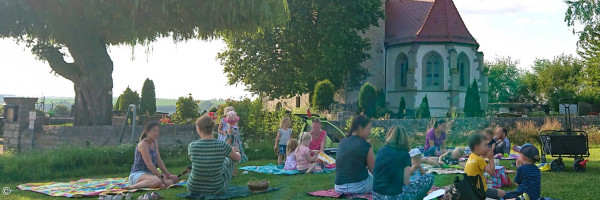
(565, 143)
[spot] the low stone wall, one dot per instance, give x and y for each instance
(464, 125)
(51, 137)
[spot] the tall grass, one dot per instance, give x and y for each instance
(76, 162)
(528, 131)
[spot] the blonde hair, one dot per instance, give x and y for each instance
(460, 151)
(284, 120)
(227, 109)
(397, 137)
(305, 137)
(292, 144)
(205, 124)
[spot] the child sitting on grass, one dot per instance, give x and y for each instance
(476, 165)
(305, 163)
(417, 169)
(528, 177)
(290, 160)
(283, 135)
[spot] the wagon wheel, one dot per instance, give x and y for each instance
(557, 165)
(578, 166)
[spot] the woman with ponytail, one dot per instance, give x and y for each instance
(355, 159)
(147, 161)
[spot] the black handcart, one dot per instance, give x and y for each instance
(567, 143)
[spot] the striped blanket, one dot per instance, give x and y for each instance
(83, 187)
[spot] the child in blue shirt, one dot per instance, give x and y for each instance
(528, 177)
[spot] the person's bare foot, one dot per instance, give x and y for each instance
(126, 188)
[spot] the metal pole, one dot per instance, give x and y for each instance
(133, 107)
(124, 124)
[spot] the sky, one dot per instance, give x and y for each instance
(523, 30)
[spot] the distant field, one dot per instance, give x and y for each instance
(162, 105)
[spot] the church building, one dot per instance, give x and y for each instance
(422, 47)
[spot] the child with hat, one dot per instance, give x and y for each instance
(528, 177)
(417, 169)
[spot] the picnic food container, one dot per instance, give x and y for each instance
(254, 185)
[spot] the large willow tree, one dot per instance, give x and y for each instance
(84, 28)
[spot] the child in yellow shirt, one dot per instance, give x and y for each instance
(476, 165)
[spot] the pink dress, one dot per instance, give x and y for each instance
(316, 144)
(302, 155)
(290, 162)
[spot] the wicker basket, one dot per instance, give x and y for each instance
(258, 186)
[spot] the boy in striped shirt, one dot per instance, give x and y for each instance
(528, 179)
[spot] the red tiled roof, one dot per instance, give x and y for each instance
(424, 21)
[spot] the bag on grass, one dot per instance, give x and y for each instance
(500, 179)
(470, 187)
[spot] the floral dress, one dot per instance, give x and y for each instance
(236, 141)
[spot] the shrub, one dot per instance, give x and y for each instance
(381, 98)
(128, 97)
(367, 99)
(473, 101)
(423, 110)
(187, 109)
(148, 100)
(323, 95)
(61, 110)
(402, 108)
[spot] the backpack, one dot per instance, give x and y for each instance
(468, 189)
(500, 179)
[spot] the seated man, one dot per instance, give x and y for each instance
(213, 161)
(502, 143)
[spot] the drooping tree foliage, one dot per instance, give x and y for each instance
(321, 41)
(148, 100)
(323, 95)
(367, 99)
(82, 30)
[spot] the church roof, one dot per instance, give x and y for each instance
(424, 21)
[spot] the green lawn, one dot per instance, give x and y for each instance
(565, 185)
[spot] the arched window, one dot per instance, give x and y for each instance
(463, 70)
(433, 71)
(401, 70)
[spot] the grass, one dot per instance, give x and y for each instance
(564, 185)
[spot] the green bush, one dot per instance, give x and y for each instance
(148, 100)
(473, 101)
(128, 97)
(402, 108)
(423, 110)
(380, 98)
(187, 110)
(61, 110)
(367, 98)
(323, 95)
(257, 124)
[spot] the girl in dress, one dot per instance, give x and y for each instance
(290, 160)
(234, 138)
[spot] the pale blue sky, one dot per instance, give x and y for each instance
(522, 29)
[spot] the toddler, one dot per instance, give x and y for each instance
(283, 135)
(233, 136)
(528, 178)
(305, 162)
(417, 169)
(476, 165)
(452, 157)
(290, 160)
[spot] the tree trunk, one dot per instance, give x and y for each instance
(91, 74)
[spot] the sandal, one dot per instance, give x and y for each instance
(156, 195)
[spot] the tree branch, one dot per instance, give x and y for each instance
(56, 60)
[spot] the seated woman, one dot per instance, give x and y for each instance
(355, 159)
(392, 166)
(435, 141)
(212, 161)
(147, 158)
(318, 141)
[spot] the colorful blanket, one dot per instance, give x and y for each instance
(83, 187)
(274, 169)
(452, 169)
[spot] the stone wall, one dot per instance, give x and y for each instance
(51, 137)
(465, 125)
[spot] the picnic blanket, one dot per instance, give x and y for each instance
(452, 169)
(83, 187)
(232, 192)
(511, 156)
(332, 194)
(274, 169)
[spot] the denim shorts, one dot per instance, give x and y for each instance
(282, 149)
(364, 186)
(133, 177)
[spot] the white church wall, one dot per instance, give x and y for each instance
(472, 54)
(391, 57)
(424, 49)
